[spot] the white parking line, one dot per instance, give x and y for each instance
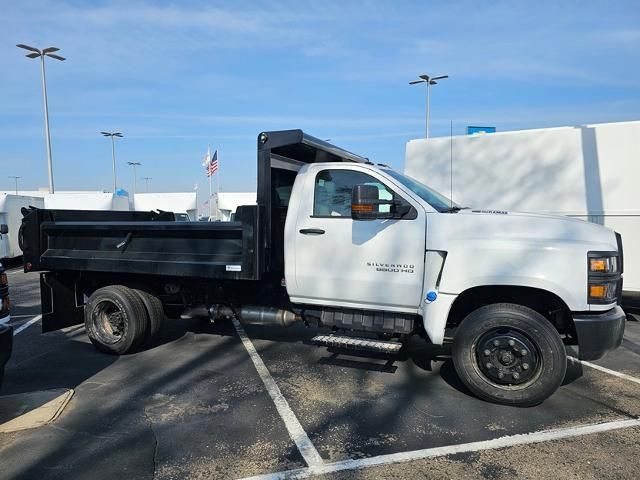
(296, 432)
(14, 270)
(606, 370)
(26, 325)
(501, 442)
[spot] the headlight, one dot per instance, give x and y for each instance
(603, 264)
(605, 279)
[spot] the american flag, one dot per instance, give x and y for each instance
(210, 164)
(213, 165)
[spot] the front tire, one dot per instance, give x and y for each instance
(115, 319)
(509, 354)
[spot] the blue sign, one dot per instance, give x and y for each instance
(473, 130)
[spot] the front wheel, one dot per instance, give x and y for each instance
(509, 354)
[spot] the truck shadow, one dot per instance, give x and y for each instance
(425, 356)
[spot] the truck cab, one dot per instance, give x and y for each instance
(341, 243)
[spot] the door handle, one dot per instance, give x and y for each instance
(312, 231)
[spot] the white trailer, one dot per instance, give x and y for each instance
(177, 202)
(228, 202)
(590, 172)
(10, 214)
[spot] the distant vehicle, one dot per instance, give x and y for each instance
(11, 215)
(339, 242)
(6, 331)
(182, 217)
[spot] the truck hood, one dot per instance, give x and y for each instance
(479, 225)
(493, 247)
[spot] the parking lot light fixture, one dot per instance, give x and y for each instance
(426, 79)
(113, 154)
(37, 53)
(135, 176)
(15, 179)
(146, 179)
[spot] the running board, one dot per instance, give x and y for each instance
(357, 343)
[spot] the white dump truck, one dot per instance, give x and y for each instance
(359, 249)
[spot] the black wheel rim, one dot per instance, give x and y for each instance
(507, 357)
(110, 322)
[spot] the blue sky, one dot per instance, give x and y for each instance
(176, 76)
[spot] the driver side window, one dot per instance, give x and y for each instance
(332, 192)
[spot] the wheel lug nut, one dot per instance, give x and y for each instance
(523, 352)
(489, 365)
(525, 366)
(511, 343)
(500, 375)
(487, 352)
(516, 375)
(496, 343)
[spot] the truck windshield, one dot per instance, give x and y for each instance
(433, 198)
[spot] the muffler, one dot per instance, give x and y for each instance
(248, 314)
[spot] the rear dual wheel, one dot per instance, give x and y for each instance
(119, 319)
(509, 354)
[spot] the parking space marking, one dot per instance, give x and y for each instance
(606, 370)
(26, 325)
(501, 442)
(296, 432)
(15, 270)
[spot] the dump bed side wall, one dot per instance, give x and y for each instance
(135, 244)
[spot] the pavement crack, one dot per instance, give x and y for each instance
(155, 443)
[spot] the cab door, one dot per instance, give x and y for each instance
(375, 264)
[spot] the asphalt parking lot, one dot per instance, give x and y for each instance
(212, 401)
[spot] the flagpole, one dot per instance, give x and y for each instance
(209, 174)
(218, 184)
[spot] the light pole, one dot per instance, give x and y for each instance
(135, 183)
(146, 179)
(16, 180)
(113, 154)
(428, 81)
(36, 53)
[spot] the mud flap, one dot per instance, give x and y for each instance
(62, 304)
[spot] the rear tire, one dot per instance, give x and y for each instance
(155, 314)
(115, 319)
(509, 354)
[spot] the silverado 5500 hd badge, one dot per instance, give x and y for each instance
(392, 267)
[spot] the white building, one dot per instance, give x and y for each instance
(589, 172)
(79, 199)
(179, 202)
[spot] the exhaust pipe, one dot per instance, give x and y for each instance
(249, 314)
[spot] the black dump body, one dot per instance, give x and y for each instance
(150, 243)
(139, 243)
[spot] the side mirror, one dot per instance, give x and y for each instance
(365, 203)
(4, 229)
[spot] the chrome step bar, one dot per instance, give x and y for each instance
(357, 343)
